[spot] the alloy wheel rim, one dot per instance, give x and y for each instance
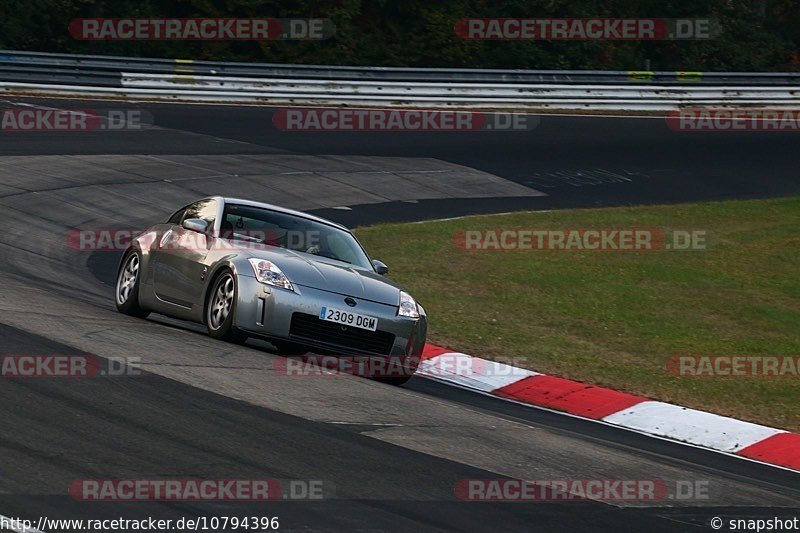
(221, 303)
(127, 279)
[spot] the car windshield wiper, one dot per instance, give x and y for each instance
(335, 258)
(247, 238)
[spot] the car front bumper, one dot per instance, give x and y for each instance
(268, 312)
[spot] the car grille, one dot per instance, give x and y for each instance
(313, 330)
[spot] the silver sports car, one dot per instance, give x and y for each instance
(248, 269)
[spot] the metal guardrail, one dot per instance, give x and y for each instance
(332, 85)
(91, 65)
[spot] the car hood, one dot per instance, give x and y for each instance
(330, 275)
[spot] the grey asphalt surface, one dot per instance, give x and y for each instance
(213, 410)
(149, 426)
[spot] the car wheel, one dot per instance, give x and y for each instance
(221, 308)
(126, 290)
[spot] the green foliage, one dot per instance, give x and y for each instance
(762, 35)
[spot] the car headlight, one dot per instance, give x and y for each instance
(269, 273)
(408, 307)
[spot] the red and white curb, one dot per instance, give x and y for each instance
(707, 430)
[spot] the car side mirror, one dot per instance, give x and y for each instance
(195, 224)
(380, 267)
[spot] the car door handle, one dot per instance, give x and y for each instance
(165, 238)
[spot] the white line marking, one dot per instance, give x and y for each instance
(602, 423)
(690, 425)
(484, 215)
(472, 371)
(377, 424)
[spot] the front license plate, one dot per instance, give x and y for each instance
(348, 319)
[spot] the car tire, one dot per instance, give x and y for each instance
(220, 309)
(126, 290)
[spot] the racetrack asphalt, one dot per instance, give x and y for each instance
(391, 455)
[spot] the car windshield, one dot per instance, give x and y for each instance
(299, 234)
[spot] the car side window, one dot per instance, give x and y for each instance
(204, 210)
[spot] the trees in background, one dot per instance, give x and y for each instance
(757, 35)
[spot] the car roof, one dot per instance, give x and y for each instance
(279, 209)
